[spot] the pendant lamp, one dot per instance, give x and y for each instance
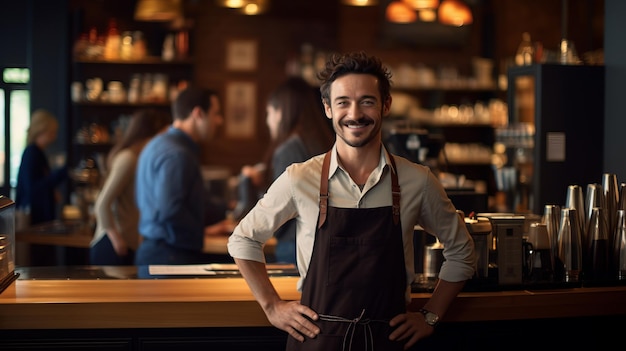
(158, 10)
(400, 12)
(255, 7)
(233, 4)
(422, 4)
(359, 2)
(455, 13)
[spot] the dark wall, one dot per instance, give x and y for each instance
(14, 29)
(48, 58)
(615, 60)
(34, 34)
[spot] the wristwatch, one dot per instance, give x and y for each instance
(430, 318)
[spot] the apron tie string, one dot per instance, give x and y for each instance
(353, 323)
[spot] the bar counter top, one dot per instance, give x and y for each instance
(227, 302)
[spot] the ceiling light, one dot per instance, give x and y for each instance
(255, 7)
(158, 10)
(359, 2)
(422, 4)
(399, 12)
(455, 13)
(233, 4)
(427, 15)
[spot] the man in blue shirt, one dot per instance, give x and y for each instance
(169, 186)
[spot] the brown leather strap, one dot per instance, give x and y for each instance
(395, 191)
(324, 190)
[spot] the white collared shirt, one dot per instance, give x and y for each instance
(295, 194)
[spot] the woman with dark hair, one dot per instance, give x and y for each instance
(299, 131)
(116, 237)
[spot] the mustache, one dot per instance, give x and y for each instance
(360, 121)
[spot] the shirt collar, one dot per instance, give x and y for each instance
(382, 163)
(184, 137)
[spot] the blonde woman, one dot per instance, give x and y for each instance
(116, 237)
(36, 183)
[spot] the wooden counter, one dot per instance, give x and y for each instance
(227, 302)
(221, 314)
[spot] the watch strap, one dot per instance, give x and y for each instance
(430, 318)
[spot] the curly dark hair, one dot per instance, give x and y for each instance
(339, 65)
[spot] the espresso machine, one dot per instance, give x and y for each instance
(504, 248)
(499, 248)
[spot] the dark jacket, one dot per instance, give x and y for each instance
(36, 185)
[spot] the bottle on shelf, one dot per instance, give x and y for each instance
(112, 41)
(139, 46)
(127, 46)
(525, 51)
(169, 51)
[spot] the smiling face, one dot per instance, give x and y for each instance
(356, 109)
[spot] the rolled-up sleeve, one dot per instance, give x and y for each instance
(440, 219)
(258, 226)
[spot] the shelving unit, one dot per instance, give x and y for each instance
(101, 112)
(468, 144)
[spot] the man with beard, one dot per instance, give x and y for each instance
(172, 201)
(356, 208)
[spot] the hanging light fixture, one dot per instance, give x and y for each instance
(455, 13)
(422, 4)
(158, 10)
(233, 4)
(427, 15)
(255, 7)
(246, 7)
(400, 12)
(359, 2)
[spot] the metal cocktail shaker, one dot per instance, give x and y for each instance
(570, 250)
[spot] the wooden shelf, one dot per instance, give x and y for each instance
(123, 104)
(153, 60)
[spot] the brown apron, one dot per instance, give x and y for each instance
(356, 280)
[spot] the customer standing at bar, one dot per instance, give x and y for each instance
(298, 131)
(37, 183)
(170, 190)
(116, 237)
(356, 208)
(37, 195)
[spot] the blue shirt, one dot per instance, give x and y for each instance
(170, 191)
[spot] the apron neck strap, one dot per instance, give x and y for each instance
(395, 191)
(324, 190)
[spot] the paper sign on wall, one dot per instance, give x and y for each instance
(555, 147)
